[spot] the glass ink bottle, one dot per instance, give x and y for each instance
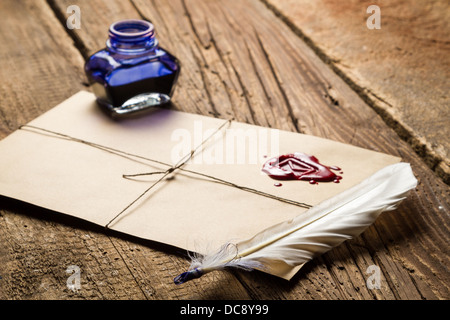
(133, 73)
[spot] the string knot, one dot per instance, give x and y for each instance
(171, 170)
(164, 174)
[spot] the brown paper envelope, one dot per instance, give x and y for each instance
(187, 210)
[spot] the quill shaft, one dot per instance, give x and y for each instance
(289, 232)
(293, 243)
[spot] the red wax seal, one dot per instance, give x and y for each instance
(300, 166)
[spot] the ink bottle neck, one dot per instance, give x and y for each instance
(132, 37)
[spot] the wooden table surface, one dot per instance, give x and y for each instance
(293, 65)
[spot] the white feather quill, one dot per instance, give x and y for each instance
(314, 232)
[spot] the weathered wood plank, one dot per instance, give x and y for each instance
(252, 65)
(42, 67)
(243, 66)
(39, 66)
(402, 69)
(96, 17)
(238, 59)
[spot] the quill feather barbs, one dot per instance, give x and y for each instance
(314, 232)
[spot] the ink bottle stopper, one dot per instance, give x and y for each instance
(133, 73)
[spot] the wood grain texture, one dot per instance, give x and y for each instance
(402, 70)
(238, 60)
(42, 67)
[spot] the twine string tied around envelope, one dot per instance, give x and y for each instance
(164, 174)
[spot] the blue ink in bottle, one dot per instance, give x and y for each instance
(133, 73)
